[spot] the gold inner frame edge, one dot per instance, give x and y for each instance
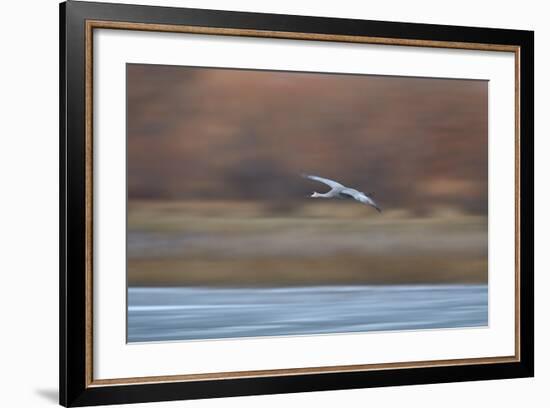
(92, 24)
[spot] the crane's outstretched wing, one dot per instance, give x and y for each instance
(328, 182)
(359, 196)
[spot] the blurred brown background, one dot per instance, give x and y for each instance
(215, 194)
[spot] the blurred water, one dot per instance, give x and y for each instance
(161, 314)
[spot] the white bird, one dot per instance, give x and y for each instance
(337, 190)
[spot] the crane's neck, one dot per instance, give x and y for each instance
(319, 195)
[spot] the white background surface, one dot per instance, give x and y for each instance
(113, 358)
(29, 205)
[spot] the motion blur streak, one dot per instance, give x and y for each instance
(161, 314)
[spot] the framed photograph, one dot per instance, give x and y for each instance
(257, 203)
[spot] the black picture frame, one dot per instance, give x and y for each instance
(75, 386)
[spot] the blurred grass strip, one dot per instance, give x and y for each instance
(242, 244)
(331, 270)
